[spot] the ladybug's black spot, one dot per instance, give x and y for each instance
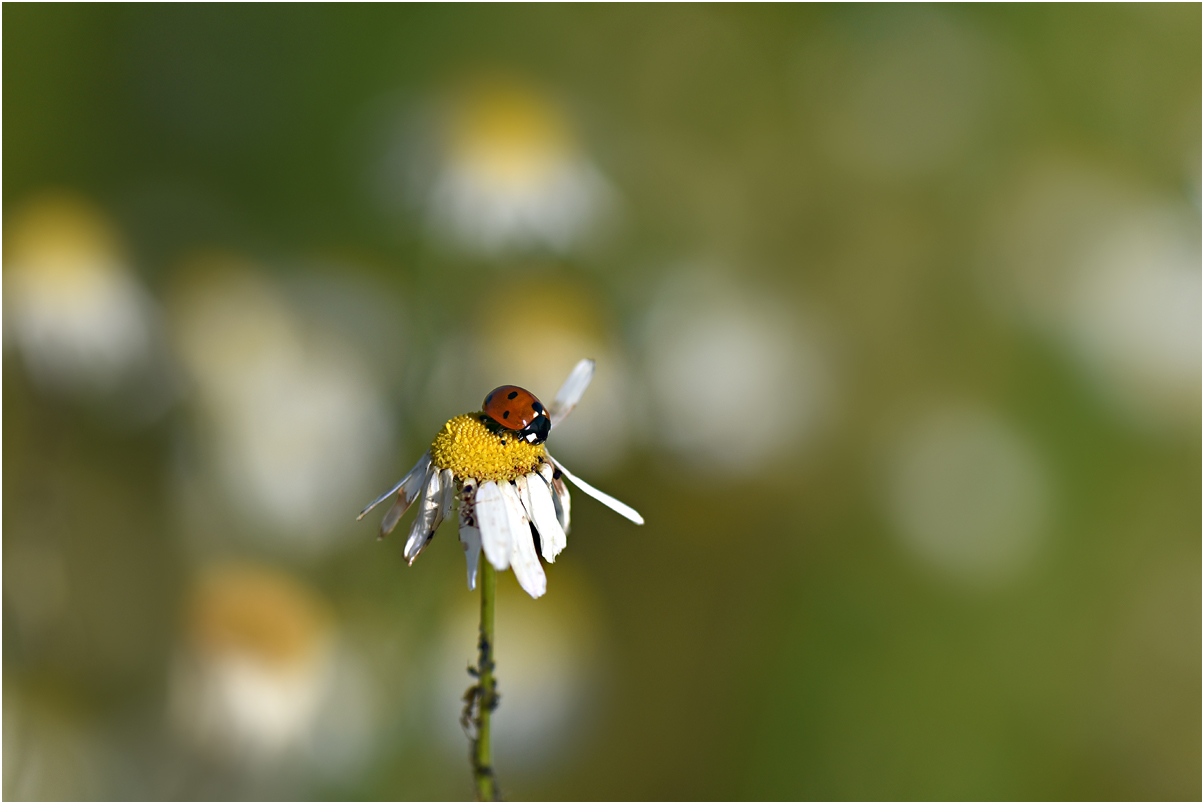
(512, 395)
(506, 414)
(556, 474)
(537, 406)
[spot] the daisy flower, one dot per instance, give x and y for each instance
(510, 490)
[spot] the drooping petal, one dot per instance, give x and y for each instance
(448, 482)
(570, 393)
(541, 509)
(383, 497)
(413, 482)
(601, 496)
(470, 534)
(494, 522)
(560, 494)
(393, 515)
(523, 558)
(430, 515)
(413, 486)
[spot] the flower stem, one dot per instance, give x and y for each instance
(483, 697)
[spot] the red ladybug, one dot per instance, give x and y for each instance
(512, 408)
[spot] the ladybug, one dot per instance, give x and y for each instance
(509, 407)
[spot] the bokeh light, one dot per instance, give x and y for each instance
(735, 380)
(968, 496)
(1112, 272)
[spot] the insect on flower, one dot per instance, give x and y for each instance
(511, 491)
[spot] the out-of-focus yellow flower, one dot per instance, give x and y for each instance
(510, 135)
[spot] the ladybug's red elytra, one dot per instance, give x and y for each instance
(513, 408)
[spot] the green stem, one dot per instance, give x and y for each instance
(484, 694)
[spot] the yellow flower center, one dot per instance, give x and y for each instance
(466, 446)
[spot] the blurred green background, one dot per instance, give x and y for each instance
(897, 319)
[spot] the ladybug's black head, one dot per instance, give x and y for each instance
(537, 431)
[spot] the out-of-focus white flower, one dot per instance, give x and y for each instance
(293, 419)
(259, 670)
(494, 463)
(82, 321)
(511, 176)
(1113, 274)
(734, 378)
(967, 496)
(256, 663)
(1134, 311)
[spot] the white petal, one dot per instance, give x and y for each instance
(415, 479)
(470, 534)
(520, 487)
(542, 511)
(393, 515)
(413, 486)
(494, 523)
(560, 494)
(523, 558)
(600, 496)
(570, 393)
(430, 515)
(449, 493)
